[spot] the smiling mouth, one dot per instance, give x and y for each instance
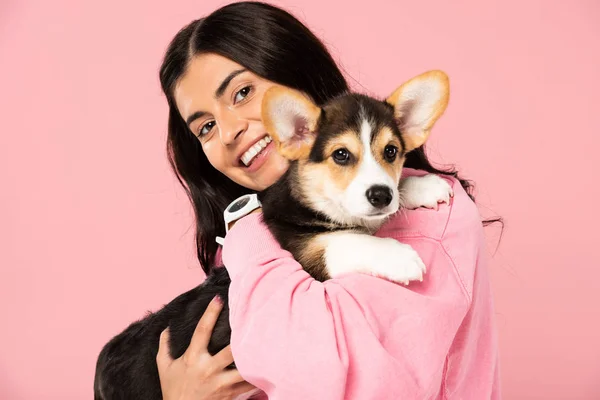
(255, 150)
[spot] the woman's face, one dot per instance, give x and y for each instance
(221, 103)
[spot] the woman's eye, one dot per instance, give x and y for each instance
(206, 128)
(241, 94)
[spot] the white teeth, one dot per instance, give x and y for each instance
(254, 150)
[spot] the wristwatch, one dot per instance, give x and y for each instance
(237, 209)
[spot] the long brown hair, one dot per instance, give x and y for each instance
(273, 44)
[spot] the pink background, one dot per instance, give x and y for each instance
(95, 230)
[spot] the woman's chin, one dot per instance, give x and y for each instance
(268, 174)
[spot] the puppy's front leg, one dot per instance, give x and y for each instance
(347, 251)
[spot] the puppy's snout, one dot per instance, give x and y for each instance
(379, 196)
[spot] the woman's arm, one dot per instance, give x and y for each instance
(352, 337)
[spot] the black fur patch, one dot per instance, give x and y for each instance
(346, 113)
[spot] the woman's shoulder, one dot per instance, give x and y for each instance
(454, 230)
(458, 220)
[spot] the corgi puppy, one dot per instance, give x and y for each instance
(343, 182)
(344, 176)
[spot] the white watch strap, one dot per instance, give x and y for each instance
(237, 209)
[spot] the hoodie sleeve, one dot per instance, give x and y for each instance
(356, 336)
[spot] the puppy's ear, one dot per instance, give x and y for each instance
(291, 119)
(418, 104)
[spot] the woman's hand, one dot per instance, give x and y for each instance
(196, 374)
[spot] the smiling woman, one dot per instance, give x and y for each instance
(214, 74)
(294, 337)
(221, 103)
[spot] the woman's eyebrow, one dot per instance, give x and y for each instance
(223, 86)
(193, 117)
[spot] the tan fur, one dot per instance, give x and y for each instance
(318, 180)
(342, 176)
(398, 98)
(290, 149)
(313, 182)
(384, 138)
(312, 256)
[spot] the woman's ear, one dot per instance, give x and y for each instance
(418, 104)
(291, 119)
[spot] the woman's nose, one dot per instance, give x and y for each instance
(232, 127)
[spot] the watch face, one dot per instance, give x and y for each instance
(238, 205)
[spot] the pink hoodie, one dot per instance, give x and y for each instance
(361, 337)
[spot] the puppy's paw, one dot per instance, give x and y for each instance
(425, 191)
(399, 263)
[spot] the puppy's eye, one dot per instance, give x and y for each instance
(341, 156)
(390, 152)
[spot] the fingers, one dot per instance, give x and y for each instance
(163, 357)
(203, 331)
(241, 387)
(230, 377)
(223, 358)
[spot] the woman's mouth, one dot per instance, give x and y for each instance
(249, 156)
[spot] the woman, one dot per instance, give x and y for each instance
(355, 337)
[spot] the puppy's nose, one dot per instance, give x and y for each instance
(379, 196)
